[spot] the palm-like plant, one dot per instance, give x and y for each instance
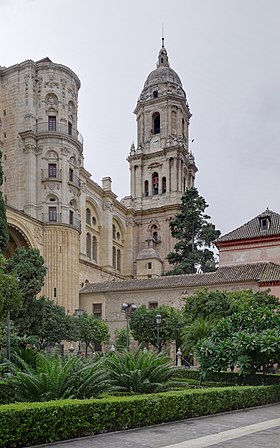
(140, 372)
(57, 378)
(193, 333)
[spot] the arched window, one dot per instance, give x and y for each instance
(146, 188)
(164, 185)
(94, 248)
(118, 260)
(156, 123)
(155, 183)
(88, 216)
(88, 245)
(114, 257)
(114, 232)
(183, 127)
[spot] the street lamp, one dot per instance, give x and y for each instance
(79, 312)
(158, 322)
(128, 309)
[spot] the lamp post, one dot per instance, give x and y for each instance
(79, 312)
(128, 309)
(158, 322)
(8, 342)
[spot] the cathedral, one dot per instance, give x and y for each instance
(101, 252)
(84, 233)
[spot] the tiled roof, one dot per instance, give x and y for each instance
(258, 272)
(252, 229)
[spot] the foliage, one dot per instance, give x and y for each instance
(144, 328)
(194, 332)
(4, 234)
(92, 331)
(120, 339)
(248, 339)
(7, 392)
(52, 324)
(28, 266)
(139, 372)
(55, 378)
(206, 304)
(194, 234)
(10, 295)
(25, 424)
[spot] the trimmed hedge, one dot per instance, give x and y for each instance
(25, 424)
(231, 378)
(7, 392)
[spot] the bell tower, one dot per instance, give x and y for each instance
(161, 164)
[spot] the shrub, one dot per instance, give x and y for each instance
(26, 424)
(140, 372)
(7, 392)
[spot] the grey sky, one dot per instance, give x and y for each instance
(226, 53)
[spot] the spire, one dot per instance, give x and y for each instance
(162, 57)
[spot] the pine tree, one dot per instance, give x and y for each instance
(4, 234)
(194, 234)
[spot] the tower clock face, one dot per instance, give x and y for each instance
(155, 142)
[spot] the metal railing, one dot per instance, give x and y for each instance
(46, 175)
(60, 128)
(73, 179)
(47, 219)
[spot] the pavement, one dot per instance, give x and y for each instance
(248, 428)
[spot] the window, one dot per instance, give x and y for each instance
(149, 265)
(156, 123)
(146, 188)
(52, 214)
(155, 183)
(94, 248)
(52, 170)
(71, 175)
(54, 292)
(97, 310)
(94, 220)
(71, 217)
(155, 93)
(88, 216)
(155, 237)
(88, 245)
(264, 223)
(114, 231)
(52, 123)
(118, 260)
(164, 185)
(114, 254)
(118, 236)
(153, 305)
(69, 128)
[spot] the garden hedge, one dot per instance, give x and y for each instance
(231, 378)
(26, 424)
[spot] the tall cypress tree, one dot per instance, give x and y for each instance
(194, 234)
(4, 234)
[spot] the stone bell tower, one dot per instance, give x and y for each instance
(161, 165)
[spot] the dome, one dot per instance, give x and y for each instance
(148, 253)
(163, 80)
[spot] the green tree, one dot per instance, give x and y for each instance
(120, 339)
(4, 234)
(194, 234)
(144, 328)
(197, 330)
(205, 304)
(248, 339)
(52, 324)
(92, 331)
(29, 268)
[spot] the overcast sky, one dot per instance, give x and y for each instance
(226, 53)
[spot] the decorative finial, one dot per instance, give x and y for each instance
(162, 35)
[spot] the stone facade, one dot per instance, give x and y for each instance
(83, 232)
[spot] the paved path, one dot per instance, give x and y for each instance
(249, 428)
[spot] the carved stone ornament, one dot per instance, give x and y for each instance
(52, 185)
(28, 147)
(51, 83)
(38, 234)
(107, 206)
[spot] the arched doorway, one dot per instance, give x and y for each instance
(17, 239)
